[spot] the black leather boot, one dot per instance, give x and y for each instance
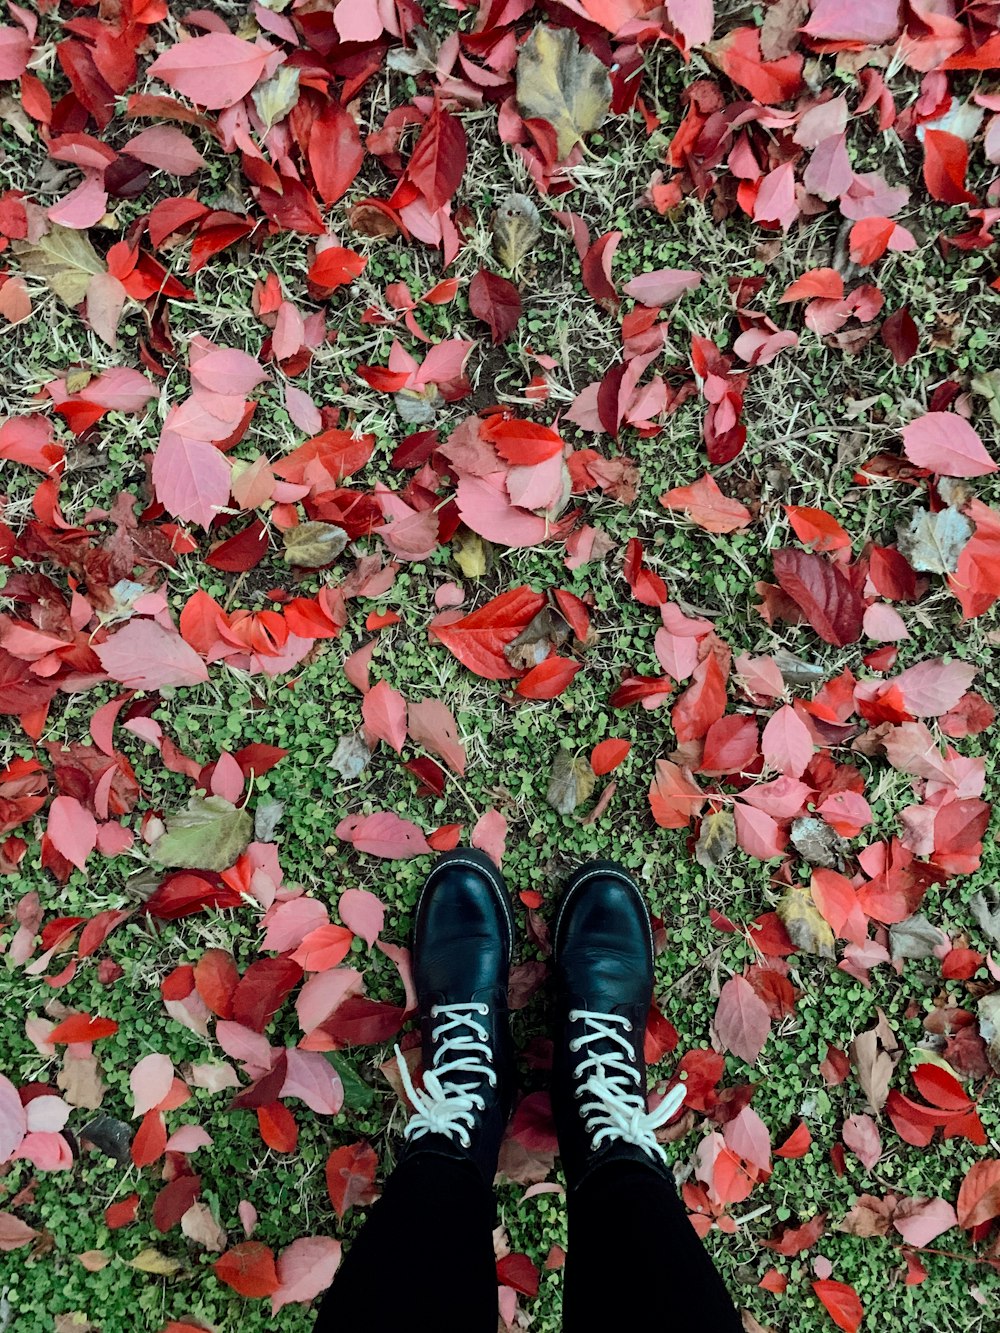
(462, 945)
(603, 952)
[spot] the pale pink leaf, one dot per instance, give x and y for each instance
(191, 478)
(490, 835)
(13, 1232)
(189, 1138)
(308, 1265)
(361, 912)
(741, 1020)
(105, 301)
(919, 1221)
(884, 624)
(323, 992)
(72, 830)
(873, 23)
(786, 742)
(289, 331)
(215, 71)
(312, 1079)
(227, 778)
(861, 1135)
(15, 52)
(693, 19)
(383, 710)
(47, 1114)
(145, 656)
(432, 725)
(248, 1217)
(150, 1081)
(383, 834)
(748, 1137)
(227, 371)
(83, 207)
(935, 686)
(781, 798)
(302, 410)
(757, 833)
(289, 922)
(662, 286)
(944, 442)
(166, 147)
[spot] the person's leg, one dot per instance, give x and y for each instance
(424, 1257)
(627, 1226)
(630, 1243)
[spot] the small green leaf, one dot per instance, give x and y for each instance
(358, 1096)
(211, 834)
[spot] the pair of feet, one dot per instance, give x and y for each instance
(603, 955)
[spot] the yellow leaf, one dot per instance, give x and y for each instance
(276, 97)
(469, 551)
(152, 1261)
(64, 259)
(716, 839)
(516, 226)
(806, 928)
(313, 544)
(559, 81)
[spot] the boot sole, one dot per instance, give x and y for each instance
(600, 870)
(473, 859)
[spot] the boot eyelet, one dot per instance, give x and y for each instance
(484, 1009)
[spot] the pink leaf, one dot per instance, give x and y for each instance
(191, 478)
(742, 1020)
(919, 1221)
(307, 1266)
(166, 147)
(933, 687)
(361, 912)
(944, 442)
(144, 656)
(786, 743)
(662, 286)
(884, 624)
(289, 922)
(310, 1077)
(874, 23)
(432, 725)
(215, 71)
(748, 1137)
(15, 52)
(384, 712)
(860, 1134)
(225, 370)
(83, 207)
(13, 1121)
(72, 830)
(150, 1080)
(383, 834)
(105, 301)
(490, 835)
(757, 833)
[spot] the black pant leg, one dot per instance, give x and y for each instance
(629, 1237)
(423, 1259)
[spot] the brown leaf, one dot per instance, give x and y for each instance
(868, 1216)
(80, 1081)
(570, 782)
(779, 34)
(874, 1055)
(563, 83)
(199, 1225)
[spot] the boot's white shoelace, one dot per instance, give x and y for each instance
(448, 1105)
(616, 1110)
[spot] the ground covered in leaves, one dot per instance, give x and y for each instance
(566, 428)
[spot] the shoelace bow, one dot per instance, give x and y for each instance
(447, 1105)
(617, 1107)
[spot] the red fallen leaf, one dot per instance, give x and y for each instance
(178, 984)
(350, 1176)
(737, 54)
(731, 745)
(900, 335)
(241, 552)
(323, 948)
(826, 283)
(216, 978)
(216, 233)
(674, 798)
(702, 703)
(249, 1269)
(439, 156)
(941, 1088)
(793, 1240)
(946, 158)
(548, 679)
(277, 1127)
(184, 894)
(830, 603)
(817, 528)
(607, 755)
(262, 990)
(497, 302)
(122, 1213)
(335, 267)
(701, 1072)
(979, 1196)
(256, 759)
(478, 639)
(660, 1038)
(633, 689)
(797, 1144)
(961, 965)
(574, 611)
(596, 271)
(841, 1303)
(647, 587)
(774, 1282)
(81, 1027)
(705, 505)
(363, 1022)
(150, 1140)
(174, 1200)
(523, 443)
(517, 1271)
(870, 239)
(335, 151)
